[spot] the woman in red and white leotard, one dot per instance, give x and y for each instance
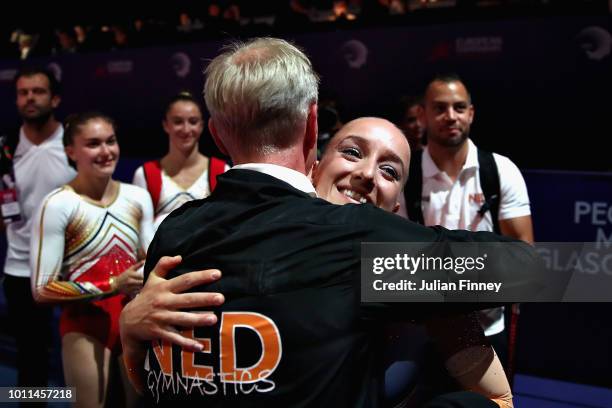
(87, 242)
(184, 173)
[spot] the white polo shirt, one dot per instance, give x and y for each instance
(455, 205)
(38, 169)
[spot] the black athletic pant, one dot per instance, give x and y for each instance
(30, 324)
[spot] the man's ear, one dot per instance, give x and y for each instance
(396, 208)
(312, 174)
(472, 111)
(421, 114)
(312, 127)
(55, 101)
(215, 136)
(309, 147)
(70, 152)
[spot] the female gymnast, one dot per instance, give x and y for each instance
(88, 240)
(183, 174)
(367, 162)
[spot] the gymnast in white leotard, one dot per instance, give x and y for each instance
(87, 242)
(184, 174)
(80, 244)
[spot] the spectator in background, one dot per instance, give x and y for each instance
(395, 7)
(39, 165)
(295, 14)
(25, 44)
(214, 10)
(188, 27)
(140, 35)
(81, 34)
(222, 17)
(120, 37)
(187, 24)
(408, 121)
(66, 41)
(340, 11)
(231, 13)
(213, 20)
(83, 39)
(329, 120)
(454, 184)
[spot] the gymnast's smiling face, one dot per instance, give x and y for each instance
(94, 148)
(366, 162)
(184, 125)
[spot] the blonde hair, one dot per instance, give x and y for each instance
(260, 91)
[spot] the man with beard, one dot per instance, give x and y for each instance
(40, 165)
(454, 184)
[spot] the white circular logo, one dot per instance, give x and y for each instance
(55, 68)
(596, 42)
(181, 63)
(355, 53)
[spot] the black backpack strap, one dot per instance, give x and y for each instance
(489, 181)
(414, 188)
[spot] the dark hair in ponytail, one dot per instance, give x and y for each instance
(182, 96)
